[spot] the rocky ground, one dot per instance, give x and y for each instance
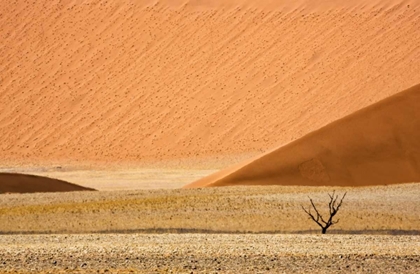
(209, 253)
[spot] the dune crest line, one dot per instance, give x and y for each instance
(377, 145)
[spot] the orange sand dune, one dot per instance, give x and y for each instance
(377, 145)
(23, 183)
(131, 81)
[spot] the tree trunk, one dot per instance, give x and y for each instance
(324, 230)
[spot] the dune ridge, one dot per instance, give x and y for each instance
(132, 81)
(25, 183)
(377, 145)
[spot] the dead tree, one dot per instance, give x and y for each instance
(333, 205)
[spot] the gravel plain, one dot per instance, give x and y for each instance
(209, 253)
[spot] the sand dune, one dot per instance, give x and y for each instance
(134, 81)
(22, 183)
(374, 146)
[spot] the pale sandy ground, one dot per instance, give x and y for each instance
(133, 81)
(125, 176)
(209, 253)
(118, 178)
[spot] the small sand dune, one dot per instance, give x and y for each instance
(23, 183)
(374, 146)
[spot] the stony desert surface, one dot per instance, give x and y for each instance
(209, 253)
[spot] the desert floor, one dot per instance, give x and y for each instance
(224, 230)
(209, 253)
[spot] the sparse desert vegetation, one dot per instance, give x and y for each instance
(259, 209)
(203, 231)
(328, 220)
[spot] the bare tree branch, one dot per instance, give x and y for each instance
(333, 207)
(315, 219)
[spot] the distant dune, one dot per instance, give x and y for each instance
(377, 145)
(132, 81)
(22, 183)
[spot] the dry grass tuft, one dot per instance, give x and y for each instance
(386, 209)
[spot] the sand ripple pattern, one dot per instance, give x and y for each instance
(158, 80)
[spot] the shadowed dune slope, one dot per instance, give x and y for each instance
(145, 80)
(377, 145)
(23, 183)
